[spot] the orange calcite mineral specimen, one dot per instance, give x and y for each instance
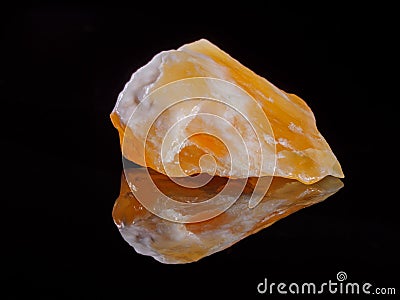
(174, 243)
(198, 100)
(198, 114)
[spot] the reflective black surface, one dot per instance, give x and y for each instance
(63, 66)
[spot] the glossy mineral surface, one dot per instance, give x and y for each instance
(248, 126)
(174, 243)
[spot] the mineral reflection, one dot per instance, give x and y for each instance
(175, 243)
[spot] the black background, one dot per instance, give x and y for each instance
(62, 67)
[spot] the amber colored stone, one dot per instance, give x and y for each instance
(174, 243)
(279, 132)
